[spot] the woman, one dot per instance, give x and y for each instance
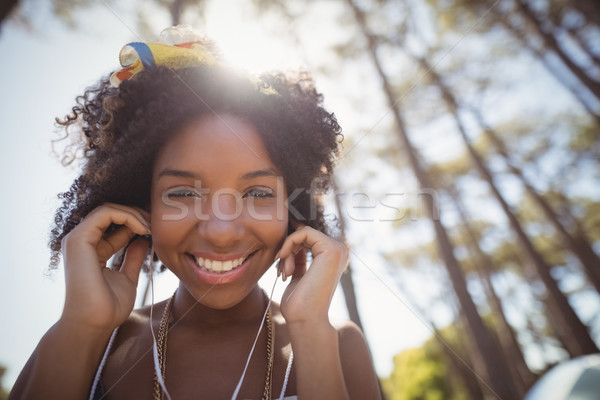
(216, 175)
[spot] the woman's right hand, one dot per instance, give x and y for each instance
(97, 297)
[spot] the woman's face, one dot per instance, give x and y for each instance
(218, 210)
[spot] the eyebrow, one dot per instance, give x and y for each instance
(190, 175)
(259, 173)
(178, 174)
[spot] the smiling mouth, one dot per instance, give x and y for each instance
(216, 266)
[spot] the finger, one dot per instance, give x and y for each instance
(304, 238)
(294, 264)
(140, 213)
(299, 265)
(96, 223)
(288, 265)
(134, 259)
(114, 242)
(143, 214)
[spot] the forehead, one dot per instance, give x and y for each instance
(219, 143)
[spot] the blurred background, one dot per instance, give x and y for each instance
(467, 189)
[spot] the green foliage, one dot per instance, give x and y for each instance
(422, 373)
(507, 253)
(417, 376)
(426, 253)
(585, 138)
(553, 254)
(591, 219)
(66, 10)
(450, 170)
(585, 210)
(452, 14)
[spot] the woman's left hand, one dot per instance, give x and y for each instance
(308, 295)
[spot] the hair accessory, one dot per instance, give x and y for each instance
(178, 47)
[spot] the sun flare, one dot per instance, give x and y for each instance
(247, 44)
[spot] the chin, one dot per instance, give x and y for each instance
(219, 298)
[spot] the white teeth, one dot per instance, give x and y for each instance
(219, 266)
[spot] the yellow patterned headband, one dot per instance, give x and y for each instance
(178, 47)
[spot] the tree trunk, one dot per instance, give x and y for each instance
(6, 7)
(176, 10)
(487, 359)
(583, 46)
(508, 339)
(578, 244)
(573, 333)
(346, 280)
(589, 8)
(462, 364)
(576, 34)
(550, 43)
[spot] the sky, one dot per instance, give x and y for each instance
(40, 75)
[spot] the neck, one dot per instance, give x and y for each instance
(190, 311)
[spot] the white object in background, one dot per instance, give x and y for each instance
(576, 379)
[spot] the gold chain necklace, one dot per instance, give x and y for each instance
(163, 330)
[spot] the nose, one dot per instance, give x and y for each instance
(221, 224)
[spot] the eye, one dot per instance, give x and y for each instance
(182, 193)
(259, 193)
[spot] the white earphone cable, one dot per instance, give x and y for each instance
(287, 375)
(262, 323)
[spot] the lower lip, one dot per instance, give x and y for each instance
(220, 278)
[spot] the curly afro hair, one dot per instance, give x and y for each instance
(124, 128)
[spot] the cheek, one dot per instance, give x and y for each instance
(167, 226)
(269, 220)
(273, 232)
(164, 237)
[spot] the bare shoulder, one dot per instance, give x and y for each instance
(142, 315)
(137, 325)
(348, 331)
(137, 318)
(130, 362)
(352, 342)
(357, 364)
